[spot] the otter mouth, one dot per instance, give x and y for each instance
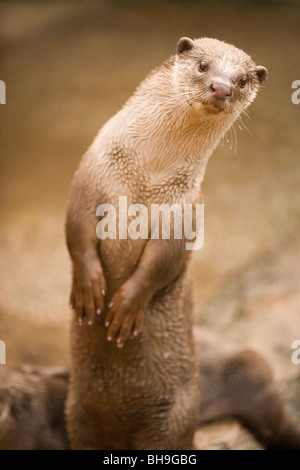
(210, 107)
(214, 106)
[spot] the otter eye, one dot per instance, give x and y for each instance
(203, 66)
(243, 82)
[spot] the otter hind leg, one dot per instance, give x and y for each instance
(239, 384)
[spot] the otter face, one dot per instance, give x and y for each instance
(215, 77)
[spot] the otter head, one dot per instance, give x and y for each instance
(216, 78)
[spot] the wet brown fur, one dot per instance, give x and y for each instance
(155, 150)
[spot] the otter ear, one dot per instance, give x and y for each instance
(184, 44)
(262, 73)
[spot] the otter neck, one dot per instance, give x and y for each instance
(180, 135)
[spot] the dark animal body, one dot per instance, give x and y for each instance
(32, 402)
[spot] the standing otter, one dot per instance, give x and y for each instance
(154, 150)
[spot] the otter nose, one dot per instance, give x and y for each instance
(220, 90)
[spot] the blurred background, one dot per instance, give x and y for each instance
(69, 66)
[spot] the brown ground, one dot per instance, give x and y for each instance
(68, 66)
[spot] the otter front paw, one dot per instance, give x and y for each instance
(88, 291)
(126, 311)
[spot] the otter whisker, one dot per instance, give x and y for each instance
(235, 138)
(240, 119)
(247, 113)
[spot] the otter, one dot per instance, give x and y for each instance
(239, 383)
(134, 378)
(32, 401)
